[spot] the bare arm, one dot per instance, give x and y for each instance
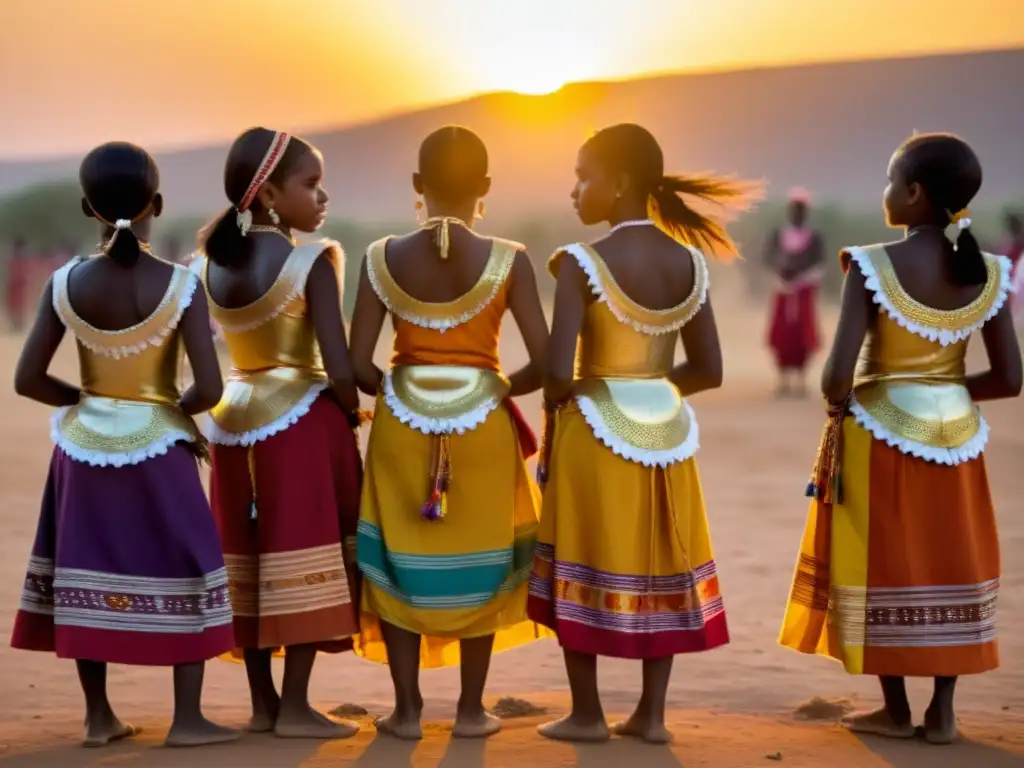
(31, 379)
(702, 369)
(571, 298)
(855, 313)
(323, 294)
(524, 301)
(367, 321)
(207, 385)
(1003, 378)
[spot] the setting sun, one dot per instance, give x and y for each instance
(539, 66)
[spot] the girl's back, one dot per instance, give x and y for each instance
(413, 262)
(651, 268)
(141, 289)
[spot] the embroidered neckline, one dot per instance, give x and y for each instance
(652, 322)
(138, 337)
(287, 286)
(943, 326)
(440, 316)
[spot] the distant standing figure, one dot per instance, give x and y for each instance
(16, 278)
(795, 255)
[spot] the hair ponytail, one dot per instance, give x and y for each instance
(966, 262)
(670, 209)
(123, 247)
(223, 242)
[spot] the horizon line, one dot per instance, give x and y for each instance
(429, 106)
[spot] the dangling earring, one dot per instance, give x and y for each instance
(274, 217)
(420, 216)
(481, 210)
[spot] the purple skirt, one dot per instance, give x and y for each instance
(127, 566)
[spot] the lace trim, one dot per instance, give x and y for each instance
(944, 336)
(461, 424)
(70, 319)
(596, 281)
(288, 419)
(685, 450)
(295, 275)
(972, 449)
(494, 276)
(158, 447)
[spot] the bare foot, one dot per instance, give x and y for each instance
(476, 726)
(311, 724)
(406, 728)
(264, 717)
(878, 723)
(940, 726)
(640, 727)
(571, 728)
(260, 722)
(101, 732)
(199, 733)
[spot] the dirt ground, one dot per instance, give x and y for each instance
(737, 706)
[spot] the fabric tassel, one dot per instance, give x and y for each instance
(546, 444)
(251, 454)
(826, 483)
(436, 506)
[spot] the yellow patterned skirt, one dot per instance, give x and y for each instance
(624, 564)
(460, 577)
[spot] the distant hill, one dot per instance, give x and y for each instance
(830, 127)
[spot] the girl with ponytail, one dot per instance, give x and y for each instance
(126, 568)
(624, 565)
(286, 468)
(901, 463)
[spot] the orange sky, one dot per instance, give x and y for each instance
(175, 72)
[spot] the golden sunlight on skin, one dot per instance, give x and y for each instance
(76, 73)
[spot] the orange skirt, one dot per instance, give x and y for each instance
(902, 578)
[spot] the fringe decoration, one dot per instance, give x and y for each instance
(826, 483)
(436, 506)
(546, 445)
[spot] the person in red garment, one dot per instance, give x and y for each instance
(795, 256)
(16, 278)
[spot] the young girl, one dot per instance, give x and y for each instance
(286, 467)
(126, 566)
(624, 566)
(899, 566)
(449, 512)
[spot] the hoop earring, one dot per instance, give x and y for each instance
(420, 215)
(274, 217)
(481, 210)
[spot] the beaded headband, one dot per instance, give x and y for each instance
(266, 167)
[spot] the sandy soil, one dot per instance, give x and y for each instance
(735, 707)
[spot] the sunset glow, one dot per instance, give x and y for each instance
(178, 73)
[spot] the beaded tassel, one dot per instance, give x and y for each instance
(826, 483)
(436, 506)
(546, 442)
(252, 480)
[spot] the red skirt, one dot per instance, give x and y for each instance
(290, 551)
(793, 333)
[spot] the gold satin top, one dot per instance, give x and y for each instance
(275, 358)
(624, 355)
(911, 384)
(140, 363)
(621, 339)
(130, 380)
